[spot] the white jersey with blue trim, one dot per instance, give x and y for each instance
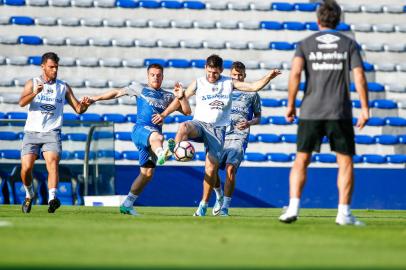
(213, 101)
(45, 112)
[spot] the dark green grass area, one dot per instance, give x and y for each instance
(170, 238)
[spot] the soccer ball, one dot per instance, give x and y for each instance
(184, 151)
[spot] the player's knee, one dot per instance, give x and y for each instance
(183, 128)
(26, 167)
(147, 175)
(157, 137)
(302, 160)
(230, 172)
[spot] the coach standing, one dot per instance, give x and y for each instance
(327, 58)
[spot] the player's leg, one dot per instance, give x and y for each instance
(156, 141)
(52, 164)
(229, 187)
(219, 195)
(186, 130)
(27, 165)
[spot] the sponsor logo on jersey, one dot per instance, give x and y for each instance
(328, 41)
(216, 105)
(48, 107)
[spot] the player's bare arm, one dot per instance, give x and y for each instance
(362, 90)
(257, 85)
(112, 94)
(244, 124)
(29, 93)
(78, 106)
(293, 87)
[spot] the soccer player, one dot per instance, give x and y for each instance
(327, 58)
(245, 112)
(212, 115)
(146, 135)
(45, 96)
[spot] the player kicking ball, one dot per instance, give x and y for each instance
(212, 115)
(147, 135)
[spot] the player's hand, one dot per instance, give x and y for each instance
(178, 90)
(274, 72)
(243, 124)
(86, 101)
(363, 118)
(290, 114)
(157, 119)
(38, 88)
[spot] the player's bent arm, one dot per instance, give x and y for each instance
(27, 95)
(184, 106)
(77, 106)
(255, 120)
(177, 104)
(112, 94)
(361, 86)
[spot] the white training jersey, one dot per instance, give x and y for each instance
(213, 101)
(45, 112)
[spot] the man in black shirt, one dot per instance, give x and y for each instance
(327, 58)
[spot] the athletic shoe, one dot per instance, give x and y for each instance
(164, 156)
(53, 205)
(287, 218)
(201, 211)
(26, 206)
(128, 211)
(171, 145)
(344, 220)
(217, 206)
(224, 212)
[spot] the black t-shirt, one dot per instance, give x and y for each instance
(329, 57)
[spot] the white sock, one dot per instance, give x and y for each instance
(129, 201)
(29, 191)
(344, 209)
(226, 202)
(158, 151)
(51, 194)
(219, 192)
(293, 208)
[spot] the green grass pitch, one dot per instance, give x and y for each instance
(170, 238)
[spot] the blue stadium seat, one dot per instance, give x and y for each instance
(8, 136)
(279, 157)
(149, 4)
(368, 67)
(99, 135)
(384, 104)
(76, 137)
(386, 139)
(294, 26)
(169, 135)
(312, 26)
(132, 118)
(271, 25)
(282, 46)
(306, 7)
(67, 117)
(374, 159)
(171, 4)
(302, 86)
(268, 138)
(357, 159)
(130, 155)
(252, 138)
(14, 2)
(10, 154)
(109, 154)
(264, 120)
(92, 117)
(80, 154)
(395, 121)
(35, 60)
(227, 64)
(284, 102)
(66, 155)
(16, 116)
(257, 157)
(325, 158)
(178, 63)
(282, 6)
(22, 20)
(194, 5)
(30, 40)
(375, 87)
(364, 139)
(127, 4)
(2, 115)
(169, 119)
(200, 156)
(123, 136)
(278, 120)
(114, 117)
(376, 122)
(402, 139)
(270, 102)
(396, 159)
(289, 138)
(343, 27)
(150, 61)
(182, 118)
(198, 63)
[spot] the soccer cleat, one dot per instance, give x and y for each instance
(164, 156)
(171, 145)
(53, 205)
(224, 212)
(26, 206)
(201, 211)
(287, 218)
(217, 206)
(344, 220)
(128, 211)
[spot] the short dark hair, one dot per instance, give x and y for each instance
(239, 66)
(329, 14)
(49, 55)
(214, 61)
(156, 65)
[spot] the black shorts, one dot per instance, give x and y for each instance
(340, 134)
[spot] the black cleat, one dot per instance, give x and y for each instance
(53, 205)
(26, 206)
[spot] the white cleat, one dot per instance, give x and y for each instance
(217, 206)
(288, 218)
(128, 211)
(345, 220)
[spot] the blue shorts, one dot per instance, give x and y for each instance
(140, 137)
(233, 153)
